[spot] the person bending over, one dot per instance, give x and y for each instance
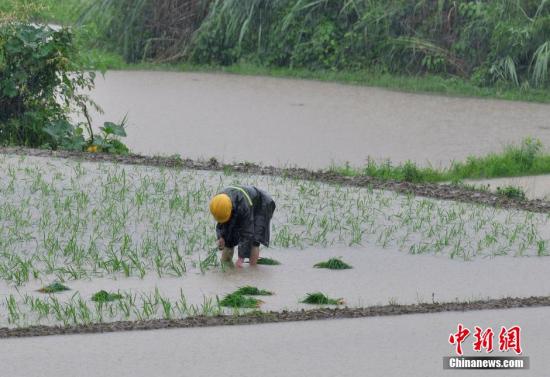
(243, 214)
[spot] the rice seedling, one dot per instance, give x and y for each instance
(252, 291)
(236, 300)
(104, 296)
(54, 288)
(319, 298)
(333, 264)
(268, 261)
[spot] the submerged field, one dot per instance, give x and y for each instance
(146, 233)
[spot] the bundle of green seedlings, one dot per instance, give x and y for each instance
(240, 299)
(54, 288)
(104, 296)
(319, 298)
(268, 261)
(333, 264)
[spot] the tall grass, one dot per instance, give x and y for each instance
(497, 41)
(145, 29)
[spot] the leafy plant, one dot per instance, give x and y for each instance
(333, 264)
(40, 80)
(109, 139)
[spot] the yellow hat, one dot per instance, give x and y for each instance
(220, 207)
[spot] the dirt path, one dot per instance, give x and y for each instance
(306, 123)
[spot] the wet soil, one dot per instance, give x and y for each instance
(277, 317)
(429, 190)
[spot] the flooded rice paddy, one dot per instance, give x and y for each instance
(306, 123)
(146, 232)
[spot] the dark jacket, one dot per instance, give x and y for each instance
(250, 219)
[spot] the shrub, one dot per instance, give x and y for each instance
(41, 85)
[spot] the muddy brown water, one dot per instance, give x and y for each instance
(411, 345)
(307, 123)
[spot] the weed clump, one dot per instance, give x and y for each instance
(333, 264)
(319, 298)
(268, 262)
(236, 300)
(252, 291)
(511, 192)
(54, 288)
(104, 296)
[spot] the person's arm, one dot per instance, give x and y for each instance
(219, 231)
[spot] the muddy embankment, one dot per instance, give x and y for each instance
(428, 190)
(276, 317)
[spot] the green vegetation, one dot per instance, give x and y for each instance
(268, 262)
(104, 296)
(41, 81)
(235, 300)
(319, 298)
(65, 12)
(511, 192)
(528, 158)
(240, 299)
(333, 264)
(252, 291)
(54, 288)
(23, 309)
(486, 42)
(490, 49)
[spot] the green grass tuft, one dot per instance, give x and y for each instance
(252, 291)
(333, 264)
(54, 288)
(528, 158)
(104, 296)
(511, 192)
(319, 298)
(268, 262)
(235, 300)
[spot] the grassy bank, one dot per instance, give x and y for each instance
(528, 158)
(429, 84)
(454, 86)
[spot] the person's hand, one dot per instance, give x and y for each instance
(221, 243)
